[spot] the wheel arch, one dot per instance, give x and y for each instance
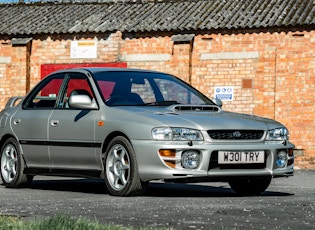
(110, 137)
(6, 137)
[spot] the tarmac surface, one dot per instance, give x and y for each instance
(289, 203)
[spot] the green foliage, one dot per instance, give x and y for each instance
(9, 222)
(59, 222)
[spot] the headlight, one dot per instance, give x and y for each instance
(279, 134)
(160, 134)
(176, 134)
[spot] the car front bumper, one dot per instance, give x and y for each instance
(154, 167)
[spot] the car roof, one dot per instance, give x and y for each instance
(104, 69)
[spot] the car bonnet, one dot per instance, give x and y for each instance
(200, 119)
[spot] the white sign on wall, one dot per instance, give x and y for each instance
(224, 93)
(83, 49)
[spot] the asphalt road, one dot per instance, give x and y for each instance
(289, 203)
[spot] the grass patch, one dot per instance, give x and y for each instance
(59, 222)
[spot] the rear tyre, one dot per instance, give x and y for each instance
(250, 186)
(121, 169)
(12, 165)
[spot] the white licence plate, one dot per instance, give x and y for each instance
(245, 157)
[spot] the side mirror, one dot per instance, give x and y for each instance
(217, 101)
(82, 102)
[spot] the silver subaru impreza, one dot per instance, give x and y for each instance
(130, 127)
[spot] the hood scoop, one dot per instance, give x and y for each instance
(196, 108)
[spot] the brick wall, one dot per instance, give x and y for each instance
(281, 70)
(272, 74)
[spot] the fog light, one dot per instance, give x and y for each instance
(190, 159)
(281, 159)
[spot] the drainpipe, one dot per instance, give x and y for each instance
(191, 47)
(275, 86)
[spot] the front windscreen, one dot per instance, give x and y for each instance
(146, 88)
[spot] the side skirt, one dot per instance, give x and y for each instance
(64, 172)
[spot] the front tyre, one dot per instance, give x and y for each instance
(121, 169)
(12, 165)
(250, 186)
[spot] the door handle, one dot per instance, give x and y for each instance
(16, 121)
(54, 122)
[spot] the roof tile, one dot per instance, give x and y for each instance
(102, 16)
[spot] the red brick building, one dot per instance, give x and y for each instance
(263, 50)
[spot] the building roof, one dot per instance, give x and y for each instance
(101, 16)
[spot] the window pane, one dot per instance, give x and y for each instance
(78, 84)
(45, 95)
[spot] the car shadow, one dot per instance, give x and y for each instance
(94, 186)
(199, 190)
(97, 186)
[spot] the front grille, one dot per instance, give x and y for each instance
(236, 134)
